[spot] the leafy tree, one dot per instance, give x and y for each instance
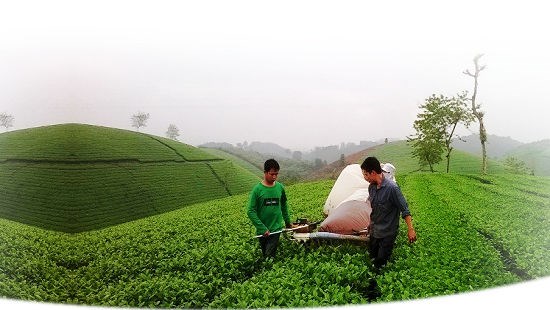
(479, 114)
(140, 120)
(435, 128)
(455, 112)
(172, 132)
(6, 120)
(427, 145)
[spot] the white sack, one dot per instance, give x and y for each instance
(348, 183)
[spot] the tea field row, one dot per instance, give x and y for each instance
(473, 233)
(75, 198)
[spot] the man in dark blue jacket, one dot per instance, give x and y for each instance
(387, 202)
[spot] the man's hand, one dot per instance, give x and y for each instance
(412, 235)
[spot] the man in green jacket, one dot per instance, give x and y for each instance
(268, 209)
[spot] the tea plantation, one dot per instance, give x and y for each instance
(474, 232)
(75, 177)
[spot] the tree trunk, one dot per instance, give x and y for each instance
(479, 114)
(483, 139)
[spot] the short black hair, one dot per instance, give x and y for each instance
(271, 164)
(371, 164)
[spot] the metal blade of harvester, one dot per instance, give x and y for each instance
(271, 233)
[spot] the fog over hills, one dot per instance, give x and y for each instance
(497, 146)
(535, 155)
(328, 153)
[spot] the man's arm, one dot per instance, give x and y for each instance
(284, 209)
(406, 214)
(252, 212)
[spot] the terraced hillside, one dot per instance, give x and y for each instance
(248, 165)
(75, 177)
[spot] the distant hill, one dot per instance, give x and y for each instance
(292, 170)
(265, 148)
(497, 146)
(334, 152)
(325, 162)
(75, 177)
(536, 155)
(269, 148)
(328, 153)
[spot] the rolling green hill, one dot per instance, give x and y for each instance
(253, 168)
(399, 154)
(75, 177)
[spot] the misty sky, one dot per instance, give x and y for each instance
(297, 73)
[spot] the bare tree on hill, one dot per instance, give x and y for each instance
(6, 120)
(140, 120)
(172, 132)
(479, 114)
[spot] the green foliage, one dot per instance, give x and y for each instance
(74, 178)
(473, 233)
(428, 151)
(453, 216)
(435, 127)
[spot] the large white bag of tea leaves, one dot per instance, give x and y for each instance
(348, 218)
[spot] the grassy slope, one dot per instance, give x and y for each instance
(80, 143)
(465, 225)
(75, 177)
(241, 162)
(399, 154)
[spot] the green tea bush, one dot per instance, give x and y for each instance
(473, 233)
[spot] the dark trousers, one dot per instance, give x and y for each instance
(269, 244)
(380, 249)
